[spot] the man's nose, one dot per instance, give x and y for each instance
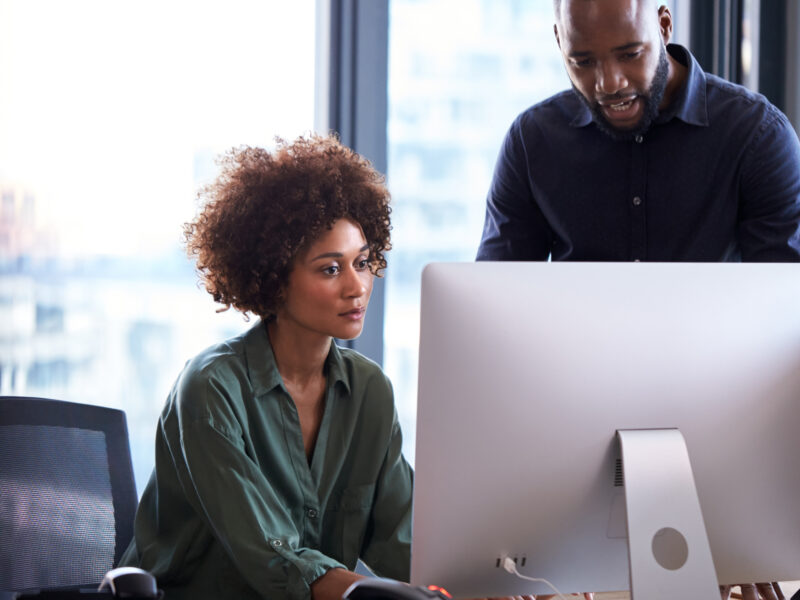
(610, 79)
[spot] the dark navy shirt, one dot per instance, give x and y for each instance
(716, 178)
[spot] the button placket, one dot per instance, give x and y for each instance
(638, 189)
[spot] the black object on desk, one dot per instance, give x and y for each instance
(73, 593)
(375, 588)
(122, 583)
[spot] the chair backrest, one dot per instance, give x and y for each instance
(67, 492)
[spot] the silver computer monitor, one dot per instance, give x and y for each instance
(528, 370)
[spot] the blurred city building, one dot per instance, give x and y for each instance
(104, 142)
(459, 73)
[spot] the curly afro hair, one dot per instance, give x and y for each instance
(266, 207)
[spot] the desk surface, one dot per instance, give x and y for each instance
(789, 588)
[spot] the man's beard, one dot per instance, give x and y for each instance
(652, 100)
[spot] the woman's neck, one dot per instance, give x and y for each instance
(299, 355)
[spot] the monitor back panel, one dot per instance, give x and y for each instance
(528, 369)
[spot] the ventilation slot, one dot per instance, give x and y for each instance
(619, 477)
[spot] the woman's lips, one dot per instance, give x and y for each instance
(355, 314)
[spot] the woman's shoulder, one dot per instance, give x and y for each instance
(359, 365)
(364, 376)
(369, 393)
(214, 377)
(222, 359)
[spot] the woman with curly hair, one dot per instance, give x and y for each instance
(278, 454)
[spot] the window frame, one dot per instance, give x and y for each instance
(352, 100)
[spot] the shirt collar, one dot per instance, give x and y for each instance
(689, 105)
(583, 117)
(263, 371)
(335, 366)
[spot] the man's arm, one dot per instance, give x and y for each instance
(514, 228)
(769, 204)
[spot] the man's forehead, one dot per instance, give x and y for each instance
(623, 21)
(566, 5)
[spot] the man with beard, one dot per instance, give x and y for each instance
(646, 158)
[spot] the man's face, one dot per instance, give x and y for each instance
(616, 59)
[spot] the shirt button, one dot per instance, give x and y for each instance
(312, 514)
(637, 200)
(639, 139)
(276, 543)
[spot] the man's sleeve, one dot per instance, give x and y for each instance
(514, 228)
(769, 220)
(234, 497)
(387, 547)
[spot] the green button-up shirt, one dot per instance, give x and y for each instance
(234, 510)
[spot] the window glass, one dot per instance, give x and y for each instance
(111, 116)
(459, 73)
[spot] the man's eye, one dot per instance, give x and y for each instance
(586, 62)
(631, 55)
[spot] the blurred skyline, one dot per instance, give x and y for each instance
(105, 107)
(111, 117)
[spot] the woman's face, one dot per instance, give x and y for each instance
(330, 284)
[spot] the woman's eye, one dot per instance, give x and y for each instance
(331, 270)
(362, 264)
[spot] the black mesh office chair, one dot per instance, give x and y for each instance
(67, 493)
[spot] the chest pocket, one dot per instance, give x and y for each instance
(353, 511)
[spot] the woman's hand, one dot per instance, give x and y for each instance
(754, 591)
(333, 584)
(509, 598)
(587, 596)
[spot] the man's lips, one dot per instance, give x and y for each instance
(618, 103)
(623, 111)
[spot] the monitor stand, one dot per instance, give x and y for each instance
(668, 551)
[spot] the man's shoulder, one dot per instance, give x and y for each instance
(731, 101)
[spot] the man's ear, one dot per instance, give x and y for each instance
(664, 23)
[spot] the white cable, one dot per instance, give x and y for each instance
(510, 566)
